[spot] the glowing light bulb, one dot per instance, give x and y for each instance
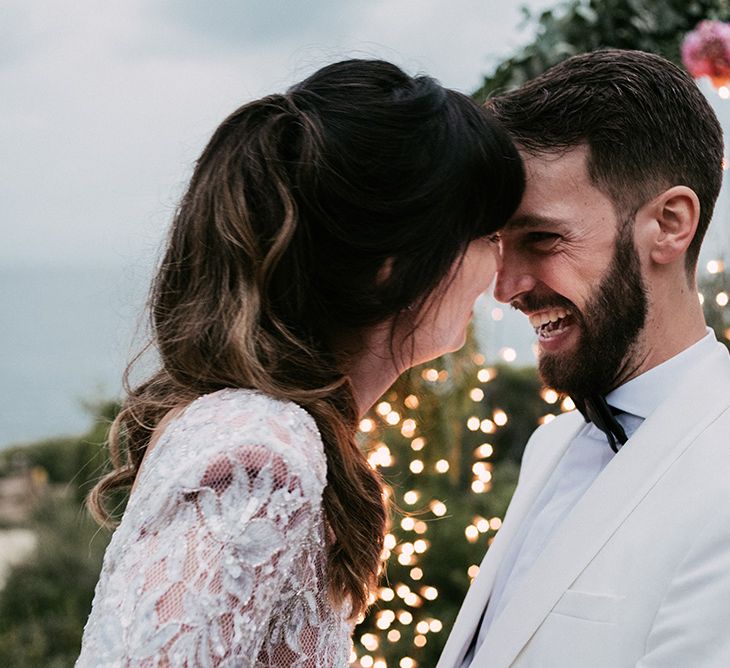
(508, 354)
(549, 396)
(485, 375)
(487, 426)
(421, 527)
(410, 497)
(500, 417)
(484, 450)
(416, 466)
(393, 418)
(430, 593)
(442, 466)
(567, 405)
(405, 617)
(408, 428)
(383, 408)
(722, 298)
(472, 533)
(418, 443)
(477, 394)
(411, 401)
(407, 524)
(438, 508)
(472, 424)
(715, 266)
(412, 600)
(366, 425)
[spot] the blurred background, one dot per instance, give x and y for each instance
(104, 110)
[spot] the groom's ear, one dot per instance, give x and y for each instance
(667, 224)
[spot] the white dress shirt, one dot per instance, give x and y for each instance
(584, 459)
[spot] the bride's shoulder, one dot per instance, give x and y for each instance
(235, 421)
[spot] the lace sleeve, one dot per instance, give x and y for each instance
(196, 583)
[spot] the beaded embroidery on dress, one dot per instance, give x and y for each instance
(220, 557)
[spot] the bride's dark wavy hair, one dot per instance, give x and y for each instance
(294, 206)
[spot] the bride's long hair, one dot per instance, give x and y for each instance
(277, 247)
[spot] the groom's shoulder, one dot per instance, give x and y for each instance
(560, 426)
(553, 433)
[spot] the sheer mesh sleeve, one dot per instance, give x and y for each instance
(217, 534)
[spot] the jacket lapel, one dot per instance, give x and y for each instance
(663, 437)
(545, 459)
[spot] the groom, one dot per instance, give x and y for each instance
(615, 550)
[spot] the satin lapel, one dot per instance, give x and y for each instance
(663, 437)
(546, 453)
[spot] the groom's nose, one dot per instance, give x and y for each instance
(513, 279)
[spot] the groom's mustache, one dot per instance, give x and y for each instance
(531, 303)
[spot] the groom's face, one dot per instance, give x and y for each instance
(569, 263)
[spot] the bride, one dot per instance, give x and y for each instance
(330, 238)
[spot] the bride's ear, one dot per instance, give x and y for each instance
(386, 269)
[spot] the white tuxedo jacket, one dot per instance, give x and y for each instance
(638, 574)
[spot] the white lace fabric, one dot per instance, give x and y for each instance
(220, 557)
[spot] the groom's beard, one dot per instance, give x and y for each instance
(609, 327)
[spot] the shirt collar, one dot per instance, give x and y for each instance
(642, 395)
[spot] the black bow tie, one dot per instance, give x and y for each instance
(596, 410)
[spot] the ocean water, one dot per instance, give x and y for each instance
(67, 334)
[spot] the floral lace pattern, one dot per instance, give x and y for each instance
(220, 557)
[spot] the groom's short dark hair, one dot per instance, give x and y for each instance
(647, 125)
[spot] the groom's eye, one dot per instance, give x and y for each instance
(542, 240)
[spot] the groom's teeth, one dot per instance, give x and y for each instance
(553, 315)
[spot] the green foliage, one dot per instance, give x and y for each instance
(578, 26)
(46, 601)
(77, 462)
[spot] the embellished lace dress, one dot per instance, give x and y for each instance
(220, 557)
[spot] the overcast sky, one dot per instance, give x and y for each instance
(105, 106)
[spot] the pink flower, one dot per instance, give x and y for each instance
(706, 51)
